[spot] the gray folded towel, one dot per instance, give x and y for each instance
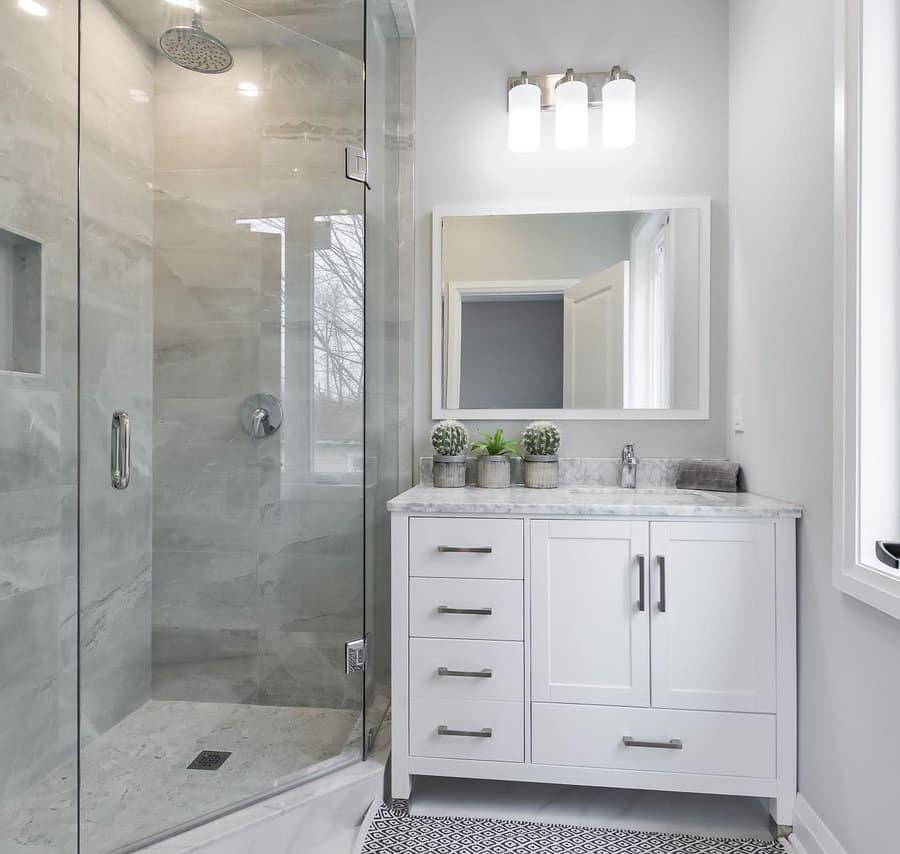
(709, 475)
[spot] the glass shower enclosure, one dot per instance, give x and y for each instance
(202, 323)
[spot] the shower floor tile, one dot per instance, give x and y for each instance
(135, 777)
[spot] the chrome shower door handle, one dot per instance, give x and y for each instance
(120, 450)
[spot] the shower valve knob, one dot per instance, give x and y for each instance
(261, 415)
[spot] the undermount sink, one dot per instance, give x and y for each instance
(649, 495)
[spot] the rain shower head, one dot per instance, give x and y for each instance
(195, 49)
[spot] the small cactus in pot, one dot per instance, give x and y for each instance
(540, 439)
(493, 463)
(449, 440)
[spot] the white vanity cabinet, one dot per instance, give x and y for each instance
(561, 640)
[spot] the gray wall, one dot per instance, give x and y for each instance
(780, 347)
(462, 156)
(512, 354)
(37, 413)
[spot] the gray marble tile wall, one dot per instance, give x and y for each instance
(116, 297)
(257, 551)
(389, 75)
(38, 184)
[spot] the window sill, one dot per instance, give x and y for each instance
(878, 589)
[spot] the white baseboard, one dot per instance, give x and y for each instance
(811, 835)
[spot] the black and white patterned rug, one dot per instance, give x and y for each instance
(394, 831)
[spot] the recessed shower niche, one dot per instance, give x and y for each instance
(20, 304)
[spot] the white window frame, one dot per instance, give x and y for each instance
(880, 589)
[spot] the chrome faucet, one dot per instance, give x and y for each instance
(629, 467)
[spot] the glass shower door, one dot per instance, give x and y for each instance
(222, 311)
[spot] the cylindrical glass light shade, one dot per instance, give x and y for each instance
(619, 112)
(571, 113)
(524, 117)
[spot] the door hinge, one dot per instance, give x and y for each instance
(356, 655)
(356, 165)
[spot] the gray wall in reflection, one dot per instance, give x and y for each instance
(512, 354)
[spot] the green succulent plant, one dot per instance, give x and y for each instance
(449, 438)
(494, 445)
(541, 439)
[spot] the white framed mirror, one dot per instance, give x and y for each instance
(572, 312)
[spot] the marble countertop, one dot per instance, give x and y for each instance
(591, 501)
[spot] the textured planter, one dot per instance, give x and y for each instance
(542, 472)
(493, 472)
(449, 472)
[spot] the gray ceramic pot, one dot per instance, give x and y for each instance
(449, 472)
(542, 472)
(493, 472)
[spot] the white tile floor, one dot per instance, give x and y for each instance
(673, 812)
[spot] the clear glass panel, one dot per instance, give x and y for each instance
(222, 257)
(390, 65)
(38, 510)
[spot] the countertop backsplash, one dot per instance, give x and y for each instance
(582, 471)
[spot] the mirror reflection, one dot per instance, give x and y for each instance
(598, 311)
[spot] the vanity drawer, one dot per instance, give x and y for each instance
(466, 669)
(443, 547)
(721, 743)
(467, 729)
(467, 608)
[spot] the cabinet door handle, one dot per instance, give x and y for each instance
(671, 744)
(487, 732)
(466, 550)
(661, 562)
(478, 612)
(487, 673)
(642, 604)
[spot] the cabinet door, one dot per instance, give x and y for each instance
(590, 622)
(713, 625)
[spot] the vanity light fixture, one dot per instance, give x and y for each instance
(570, 96)
(524, 104)
(619, 109)
(571, 112)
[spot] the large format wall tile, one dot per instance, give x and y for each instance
(250, 553)
(38, 184)
(116, 317)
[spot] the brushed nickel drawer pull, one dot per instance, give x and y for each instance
(466, 550)
(478, 612)
(487, 673)
(487, 732)
(671, 744)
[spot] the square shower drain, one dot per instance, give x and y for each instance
(209, 760)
